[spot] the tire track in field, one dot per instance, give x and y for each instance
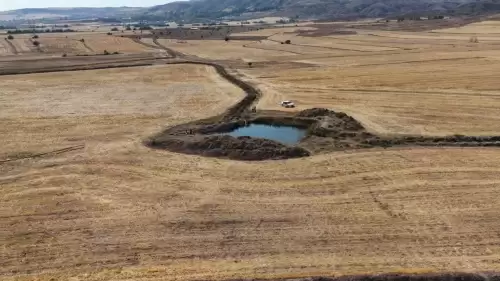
(139, 41)
(271, 49)
(38, 155)
(325, 47)
(12, 47)
(174, 54)
(86, 46)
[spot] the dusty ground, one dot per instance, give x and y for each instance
(101, 206)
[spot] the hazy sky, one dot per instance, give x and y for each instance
(19, 4)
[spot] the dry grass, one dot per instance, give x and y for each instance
(404, 98)
(221, 50)
(273, 31)
(69, 43)
(99, 43)
(116, 210)
(62, 45)
(5, 48)
(330, 43)
(419, 88)
(484, 27)
(109, 97)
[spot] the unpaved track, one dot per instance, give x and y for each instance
(86, 46)
(11, 46)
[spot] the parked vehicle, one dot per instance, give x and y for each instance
(287, 104)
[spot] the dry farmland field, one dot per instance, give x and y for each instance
(83, 198)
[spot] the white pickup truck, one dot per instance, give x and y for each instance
(287, 104)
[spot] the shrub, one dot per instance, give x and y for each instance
(226, 39)
(82, 40)
(116, 53)
(106, 52)
(128, 27)
(64, 55)
(114, 29)
(109, 33)
(36, 43)
(288, 42)
(35, 36)
(249, 64)
(10, 37)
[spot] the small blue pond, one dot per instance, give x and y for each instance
(284, 134)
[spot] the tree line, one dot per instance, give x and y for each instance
(28, 31)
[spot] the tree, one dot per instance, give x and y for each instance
(10, 37)
(128, 28)
(250, 64)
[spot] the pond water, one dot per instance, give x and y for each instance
(284, 134)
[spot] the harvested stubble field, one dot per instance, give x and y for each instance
(81, 196)
(70, 44)
(221, 50)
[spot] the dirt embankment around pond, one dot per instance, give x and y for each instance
(326, 131)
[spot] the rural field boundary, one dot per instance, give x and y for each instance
(93, 66)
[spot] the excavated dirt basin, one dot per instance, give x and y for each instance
(325, 131)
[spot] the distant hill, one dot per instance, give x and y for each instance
(211, 9)
(198, 10)
(71, 13)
